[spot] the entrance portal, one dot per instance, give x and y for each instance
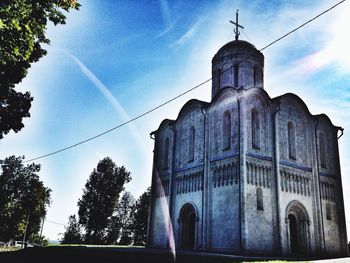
(294, 239)
(187, 227)
(297, 229)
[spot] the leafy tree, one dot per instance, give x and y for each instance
(23, 25)
(40, 240)
(23, 197)
(73, 234)
(100, 198)
(140, 218)
(113, 230)
(124, 213)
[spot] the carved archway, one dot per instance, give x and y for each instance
(187, 221)
(298, 229)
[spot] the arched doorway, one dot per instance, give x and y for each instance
(297, 223)
(294, 237)
(187, 222)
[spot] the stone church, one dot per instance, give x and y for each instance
(246, 173)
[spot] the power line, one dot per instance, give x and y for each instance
(53, 222)
(307, 22)
(181, 94)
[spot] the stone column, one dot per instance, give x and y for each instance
(275, 185)
(287, 243)
(308, 243)
(242, 173)
(204, 184)
(315, 189)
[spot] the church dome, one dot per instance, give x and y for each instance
(237, 44)
(237, 64)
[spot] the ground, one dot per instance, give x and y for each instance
(65, 254)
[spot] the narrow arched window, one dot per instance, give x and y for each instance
(235, 75)
(217, 80)
(166, 154)
(259, 199)
(255, 75)
(328, 212)
(191, 144)
(322, 151)
(227, 130)
(291, 141)
(255, 129)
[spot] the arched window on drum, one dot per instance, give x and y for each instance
(235, 75)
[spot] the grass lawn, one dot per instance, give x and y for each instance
(8, 249)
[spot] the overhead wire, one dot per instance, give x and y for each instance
(181, 94)
(53, 222)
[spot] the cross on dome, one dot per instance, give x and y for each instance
(237, 26)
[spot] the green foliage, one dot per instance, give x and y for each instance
(100, 198)
(22, 194)
(23, 26)
(140, 218)
(120, 229)
(40, 240)
(73, 234)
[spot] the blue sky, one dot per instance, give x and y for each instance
(116, 59)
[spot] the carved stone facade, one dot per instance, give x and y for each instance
(246, 173)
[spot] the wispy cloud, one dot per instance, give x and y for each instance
(166, 30)
(169, 23)
(112, 100)
(164, 9)
(336, 50)
(190, 33)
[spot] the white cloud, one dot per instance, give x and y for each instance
(190, 33)
(336, 49)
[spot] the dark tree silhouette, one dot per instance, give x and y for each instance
(113, 230)
(73, 234)
(23, 198)
(124, 212)
(119, 230)
(140, 218)
(23, 26)
(100, 198)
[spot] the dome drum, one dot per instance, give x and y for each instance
(237, 64)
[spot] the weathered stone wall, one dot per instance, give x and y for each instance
(161, 186)
(160, 231)
(193, 117)
(297, 185)
(296, 179)
(330, 217)
(329, 186)
(223, 184)
(226, 101)
(259, 220)
(292, 111)
(224, 205)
